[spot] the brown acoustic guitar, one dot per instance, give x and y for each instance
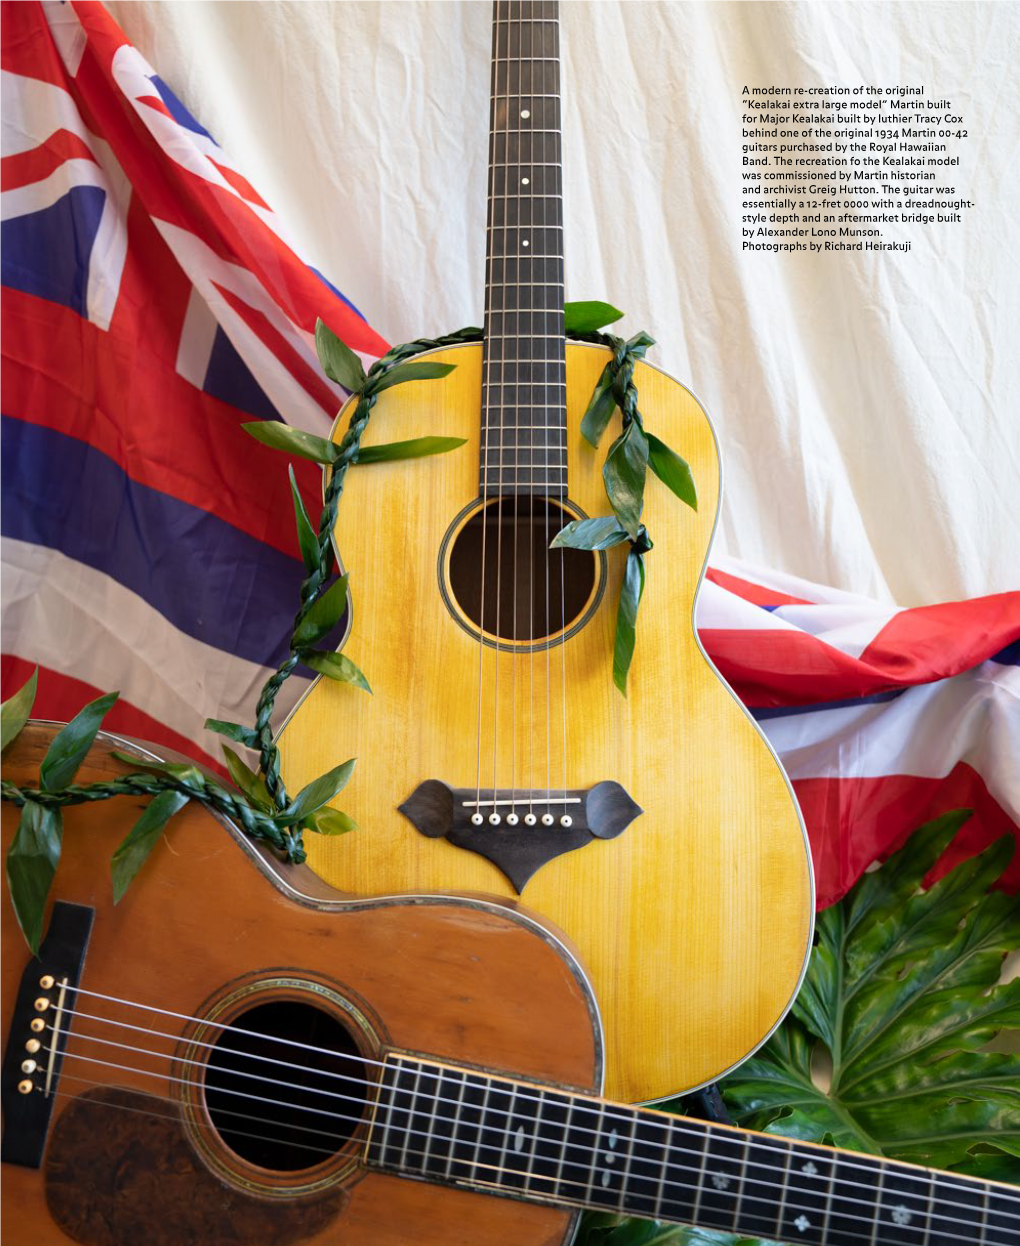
(496, 755)
(234, 1055)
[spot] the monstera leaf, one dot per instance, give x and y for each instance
(901, 997)
(902, 993)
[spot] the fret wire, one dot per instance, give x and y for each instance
(878, 1207)
(701, 1179)
(458, 1105)
(781, 1212)
(625, 1174)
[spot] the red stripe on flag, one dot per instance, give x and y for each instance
(26, 167)
(776, 666)
(60, 697)
(934, 642)
(757, 594)
(853, 822)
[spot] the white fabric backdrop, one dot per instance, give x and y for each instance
(867, 406)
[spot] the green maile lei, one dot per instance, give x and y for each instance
(259, 803)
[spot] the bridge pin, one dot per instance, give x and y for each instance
(46, 981)
(530, 819)
(28, 1066)
(547, 819)
(494, 819)
(25, 1087)
(41, 1004)
(512, 819)
(566, 820)
(37, 1025)
(477, 819)
(33, 1045)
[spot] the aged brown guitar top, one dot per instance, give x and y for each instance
(236, 1056)
(495, 754)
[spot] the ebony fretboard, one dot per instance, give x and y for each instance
(462, 1127)
(524, 377)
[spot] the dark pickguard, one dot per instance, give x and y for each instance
(120, 1171)
(439, 811)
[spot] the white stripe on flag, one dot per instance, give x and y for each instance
(79, 622)
(923, 732)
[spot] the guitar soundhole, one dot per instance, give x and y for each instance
(285, 1086)
(506, 579)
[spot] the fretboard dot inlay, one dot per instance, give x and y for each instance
(525, 243)
(809, 1170)
(802, 1223)
(525, 181)
(900, 1215)
(525, 114)
(721, 1183)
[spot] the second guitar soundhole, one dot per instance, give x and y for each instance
(285, 1086)
(507, 581)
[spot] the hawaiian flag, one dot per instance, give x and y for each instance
(152, 304)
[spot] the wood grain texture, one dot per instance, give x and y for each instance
(466, 981)
(695, 923)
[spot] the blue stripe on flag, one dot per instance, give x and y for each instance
(1010, 656)
(46, 253)
(763, 713)
(210, 580)
(177, 110)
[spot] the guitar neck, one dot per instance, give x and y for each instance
(524, 394)
(455, 1126)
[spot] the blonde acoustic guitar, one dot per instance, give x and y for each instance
(495, 754)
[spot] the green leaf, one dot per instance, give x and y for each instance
(293, 441)
(308, 538)
(672, 470)
(70, 745)
(586, 317)
(403, 372)
(903, 992)
(600, 407)
(418, 448)
(335, 666)
(329, 822)
(233, 731)
(252, 784)
(133, 850)
(32, 861)
(186, 772)
(602, 532)
(317, 793)
(337, 359)
(631, 591)
(15, 711)
(624, 475)
(323, 614)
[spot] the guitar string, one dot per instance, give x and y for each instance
(515, 651)
(532, 570)
(486, 408)
(384, 1064)
(558, 147)
(409, 1130)
(548, 505)
(502, 422)
(669, 1126)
